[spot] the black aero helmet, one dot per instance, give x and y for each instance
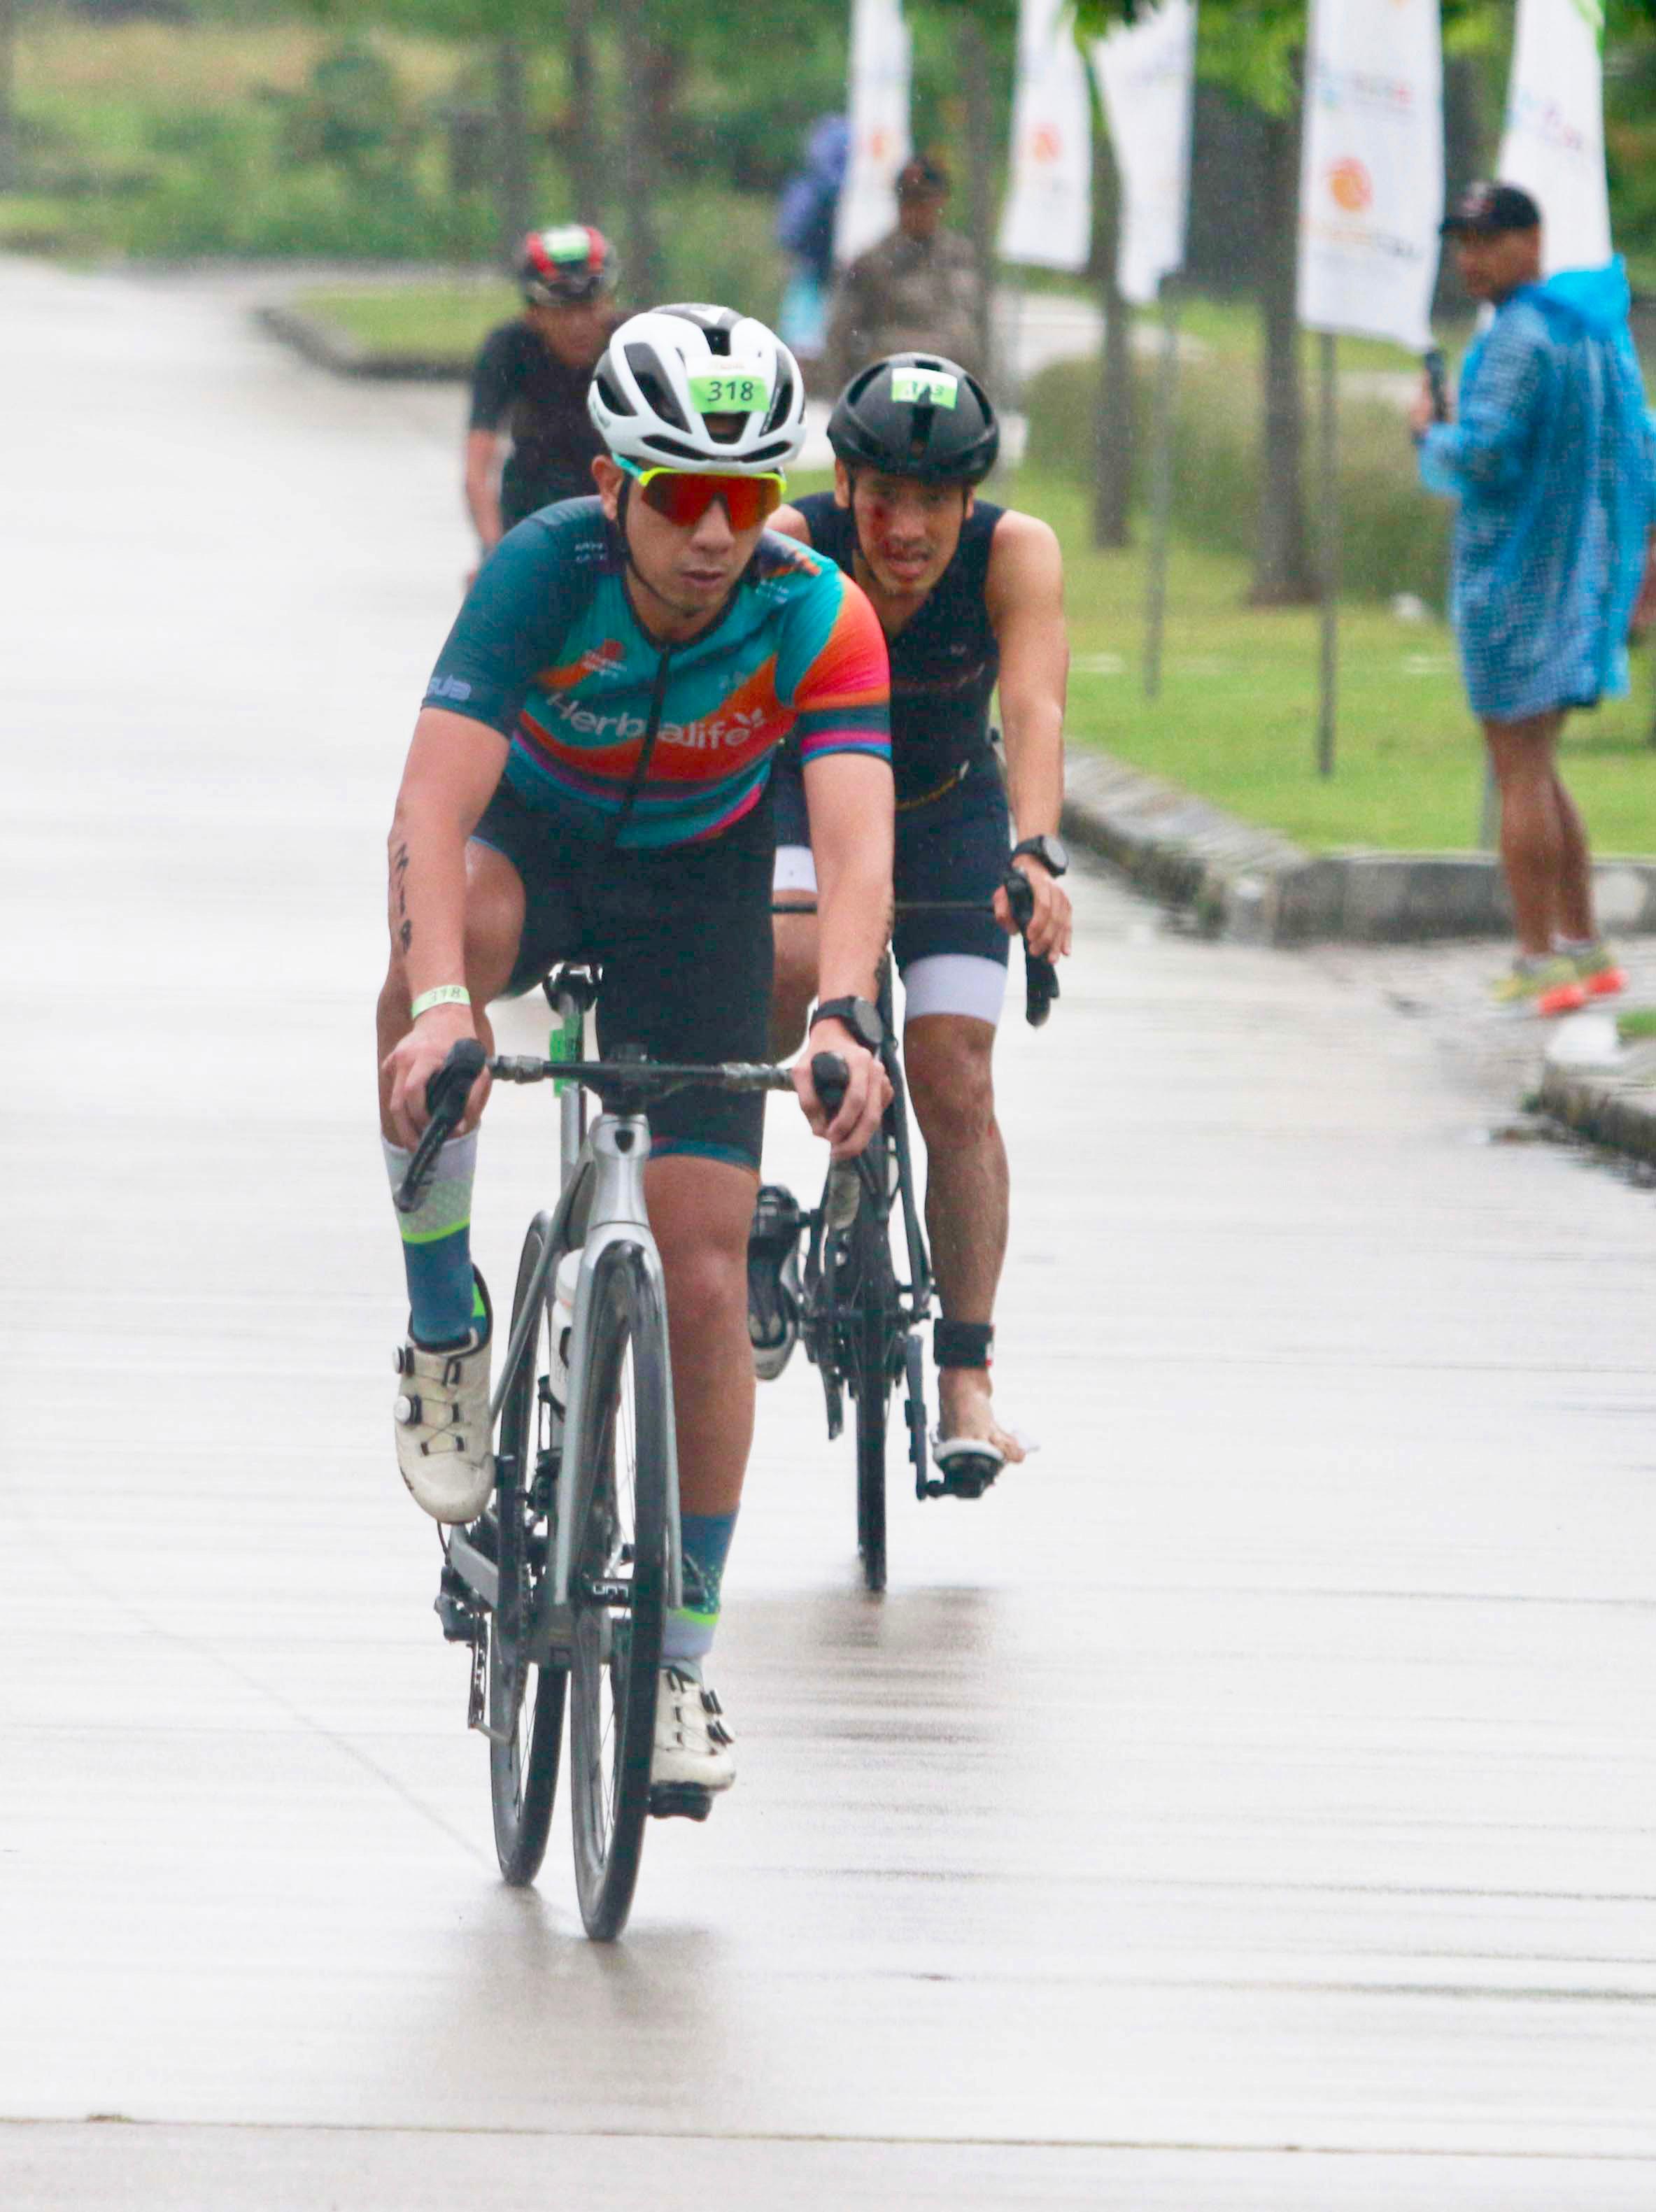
(916, 415)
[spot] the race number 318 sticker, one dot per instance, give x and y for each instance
(728, 395)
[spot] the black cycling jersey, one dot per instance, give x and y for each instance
(944, 662)
(521, 386)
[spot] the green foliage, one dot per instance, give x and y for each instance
(1394, 538)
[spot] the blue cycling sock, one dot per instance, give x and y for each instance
(688, 1632)
(444, 1302)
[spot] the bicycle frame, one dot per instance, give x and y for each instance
(600, 1209)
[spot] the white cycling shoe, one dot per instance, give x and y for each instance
(442, 1414)
(695, 1755)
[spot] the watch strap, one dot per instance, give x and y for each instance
(854, 1013)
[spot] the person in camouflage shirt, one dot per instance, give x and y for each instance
(920, 289)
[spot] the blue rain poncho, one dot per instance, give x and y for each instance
(1553, 461)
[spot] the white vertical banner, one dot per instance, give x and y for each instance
(1048, 217)
(1371, 180)
(1554, 140)
(880, 126)
(1146, 83)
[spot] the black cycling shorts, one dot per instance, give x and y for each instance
(683, 935)
(957, 846)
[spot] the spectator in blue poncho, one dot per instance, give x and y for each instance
(805, 229)
(1553, 462)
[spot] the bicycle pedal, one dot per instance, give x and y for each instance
(962, 1474)
(679, 1800)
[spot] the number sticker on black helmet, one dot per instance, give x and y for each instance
(925, 387)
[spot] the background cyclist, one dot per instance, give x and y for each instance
(531, 440)
(590, 775)
(966, 593)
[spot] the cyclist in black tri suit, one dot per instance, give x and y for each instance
(530, 440)
(969, 595)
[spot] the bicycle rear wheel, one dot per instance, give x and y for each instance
(618, 1586)
(526, 1702)
(874, 1349)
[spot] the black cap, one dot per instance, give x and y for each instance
(1489, 209)
(922, 178)
(916, 415)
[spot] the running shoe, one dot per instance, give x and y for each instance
(441, 1415)
(1598, 970)
(1539, 986)
(773, 1279)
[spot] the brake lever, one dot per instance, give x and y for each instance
(446, 1095)
(1040, 975)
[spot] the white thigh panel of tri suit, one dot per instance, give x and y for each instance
(942, 983)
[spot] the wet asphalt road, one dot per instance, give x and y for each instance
(1250, 1804)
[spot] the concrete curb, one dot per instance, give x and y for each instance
(342, 355)
(1610, 1106)
(1257, 886)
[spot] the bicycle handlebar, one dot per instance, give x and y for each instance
(1040, 975)
(628, 1080)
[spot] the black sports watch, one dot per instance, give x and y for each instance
(1052, 852)
(858, 1016)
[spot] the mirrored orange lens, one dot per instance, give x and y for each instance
(685, 499)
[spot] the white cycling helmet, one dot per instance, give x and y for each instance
(699, 387)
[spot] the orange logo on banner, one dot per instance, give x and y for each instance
(1350, 186)
(1045, 145)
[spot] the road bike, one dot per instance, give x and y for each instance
(562, 1589)
(860, 1321)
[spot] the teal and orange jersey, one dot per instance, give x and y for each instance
(548, 651)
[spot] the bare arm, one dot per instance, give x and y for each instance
(453, 767)
(1024, 592)
(849, 799)
(791, 523)
(484, 452)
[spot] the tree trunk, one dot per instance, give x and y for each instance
(1112, 420)
(977, 77)
(513, 184)
(584, 141)
(643, 68)
(10, 166)
(1281, 574)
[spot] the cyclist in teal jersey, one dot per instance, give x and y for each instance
(590, 777)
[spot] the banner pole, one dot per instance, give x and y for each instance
(1329, 548)
(1162, 490)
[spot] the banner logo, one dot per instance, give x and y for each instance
(1350, 186)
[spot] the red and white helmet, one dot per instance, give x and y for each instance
(699, 387)
(567, 263)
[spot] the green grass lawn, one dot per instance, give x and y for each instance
(1237, 717)
(443, 321)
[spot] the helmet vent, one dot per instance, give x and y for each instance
(782, 401)
(615, 400)
(658, 395)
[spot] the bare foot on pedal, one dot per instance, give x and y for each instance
(965, 1408)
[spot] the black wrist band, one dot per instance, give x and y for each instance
(963, 1343)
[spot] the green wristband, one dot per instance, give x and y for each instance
(445, 994)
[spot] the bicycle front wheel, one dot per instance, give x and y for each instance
(618, 1586)
(526, 1702)
(876, 1342)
